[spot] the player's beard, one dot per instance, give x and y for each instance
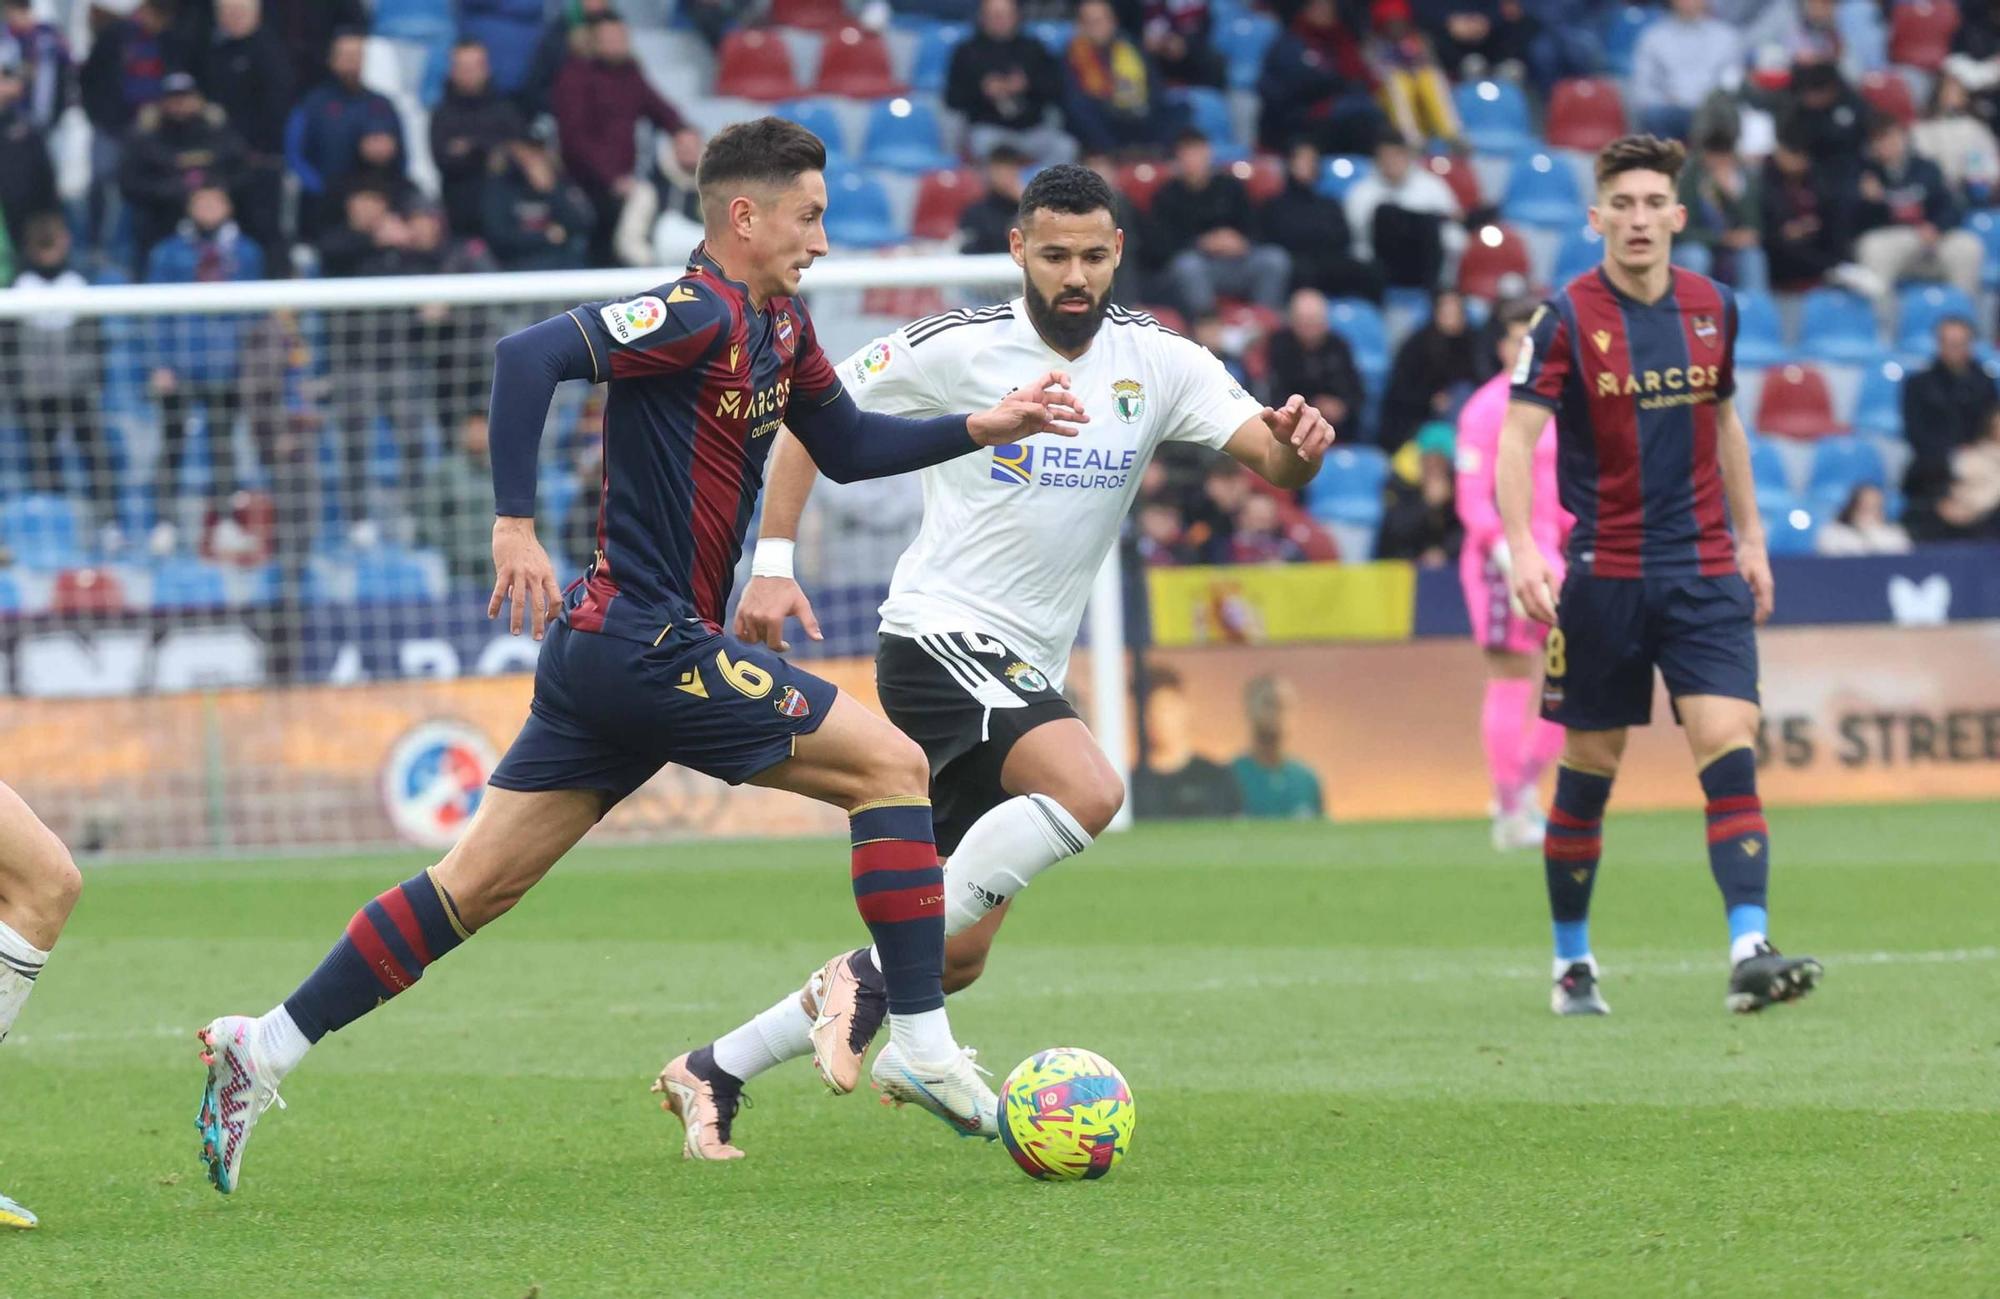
(1065, 331)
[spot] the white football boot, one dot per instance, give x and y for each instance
(239, 1090)
(1520, 830)
(952, 1089)
(16, 1215)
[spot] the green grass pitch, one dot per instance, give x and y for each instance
(1347, 1077)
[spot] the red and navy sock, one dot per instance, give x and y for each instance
(899, 890)
(385, 949)
(1739, 843)
(1570, 854)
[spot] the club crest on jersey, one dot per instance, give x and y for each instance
(1601, 337)
(792, 703)
(1704, 329)
(1027, 680)
(1014, 464)
(1129, 399)
(635, 319)
(783, 334)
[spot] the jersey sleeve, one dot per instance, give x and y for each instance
(670, 329)
(1209, 406)
(887, 377)
(815, 383)
(1725, 383)
(1543, 365)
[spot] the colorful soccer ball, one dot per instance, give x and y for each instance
(1066, 1113)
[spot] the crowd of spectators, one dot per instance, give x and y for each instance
(239, 139)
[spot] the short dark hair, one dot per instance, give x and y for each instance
(1067, 187)
(766, 151)
(1192, 135)
(1518, 312)
(1641, 153)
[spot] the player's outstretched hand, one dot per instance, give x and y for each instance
(1301, 426)
(523, 576)
(1044, 406)
(1530, 586)
(766, 603)
(1755, 564)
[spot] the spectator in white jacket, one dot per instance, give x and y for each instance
(1406, 219)
(1679, 61)
(1959, 142)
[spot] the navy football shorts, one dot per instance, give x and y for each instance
(610, 712)
(1611, 632)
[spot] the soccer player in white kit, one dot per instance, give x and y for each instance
(984, 606)
(1519, 744)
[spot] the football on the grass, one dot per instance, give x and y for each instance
(1065, 1114)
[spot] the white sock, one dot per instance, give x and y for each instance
(925, 1037)
(773, 1037)
(1562, 965)
(1739, 951)
(20, 962)
(280, 1042)
(1002, 852)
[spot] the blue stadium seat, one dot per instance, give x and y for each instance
(1839, 327)
(1759, 338)
(1767, 469)
(1360, 322)
(42, 532)
(1244, 41)
(819, 117)
(182, 582)
(1878, 407)
(858, 212)
(1495, 116)
(1694, 257)
(1542, 190)
(1208, 112)
(391, 575)
(1790, 529)
(904, 136)
(1055, 34)
(1349, 489)
(1341, 171)
(1842, 463)
(1919, 307)
(1621, 35)
(933, 59)
(10, 594)
(1581, 249)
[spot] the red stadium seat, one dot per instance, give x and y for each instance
(941, 197)
(1920, 33)
(87, 590)
(755, 65)
(1168, 318)
(812, 15)
(1493, 253)
(1889, 94)
(1796, 404)
(855, 63)
(1585, 113)
(1263, 176)
(1139, 181)
(1463, 177)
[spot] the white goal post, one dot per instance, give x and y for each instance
(231, 519)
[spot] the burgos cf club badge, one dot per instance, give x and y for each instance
(1013, 464)
(629, 320)
(1704, 329)
(792, 703)
(432, 781)
(1027, 680)
(1129, 398)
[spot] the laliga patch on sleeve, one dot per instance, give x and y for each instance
(635, 319)
(1525, 362)
(873, 361)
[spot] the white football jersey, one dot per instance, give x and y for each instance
(1013, 536)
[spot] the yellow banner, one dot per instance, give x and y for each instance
(1278, 603)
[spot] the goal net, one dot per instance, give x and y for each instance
(245, 553)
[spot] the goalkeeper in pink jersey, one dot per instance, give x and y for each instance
(1518, 743)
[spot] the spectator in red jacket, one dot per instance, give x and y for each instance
(599, 99)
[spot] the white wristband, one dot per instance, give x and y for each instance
(772, 558)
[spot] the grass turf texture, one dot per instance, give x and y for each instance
(1347, 1077)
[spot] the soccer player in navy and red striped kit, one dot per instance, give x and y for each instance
(1636, 359)
(636, 671)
